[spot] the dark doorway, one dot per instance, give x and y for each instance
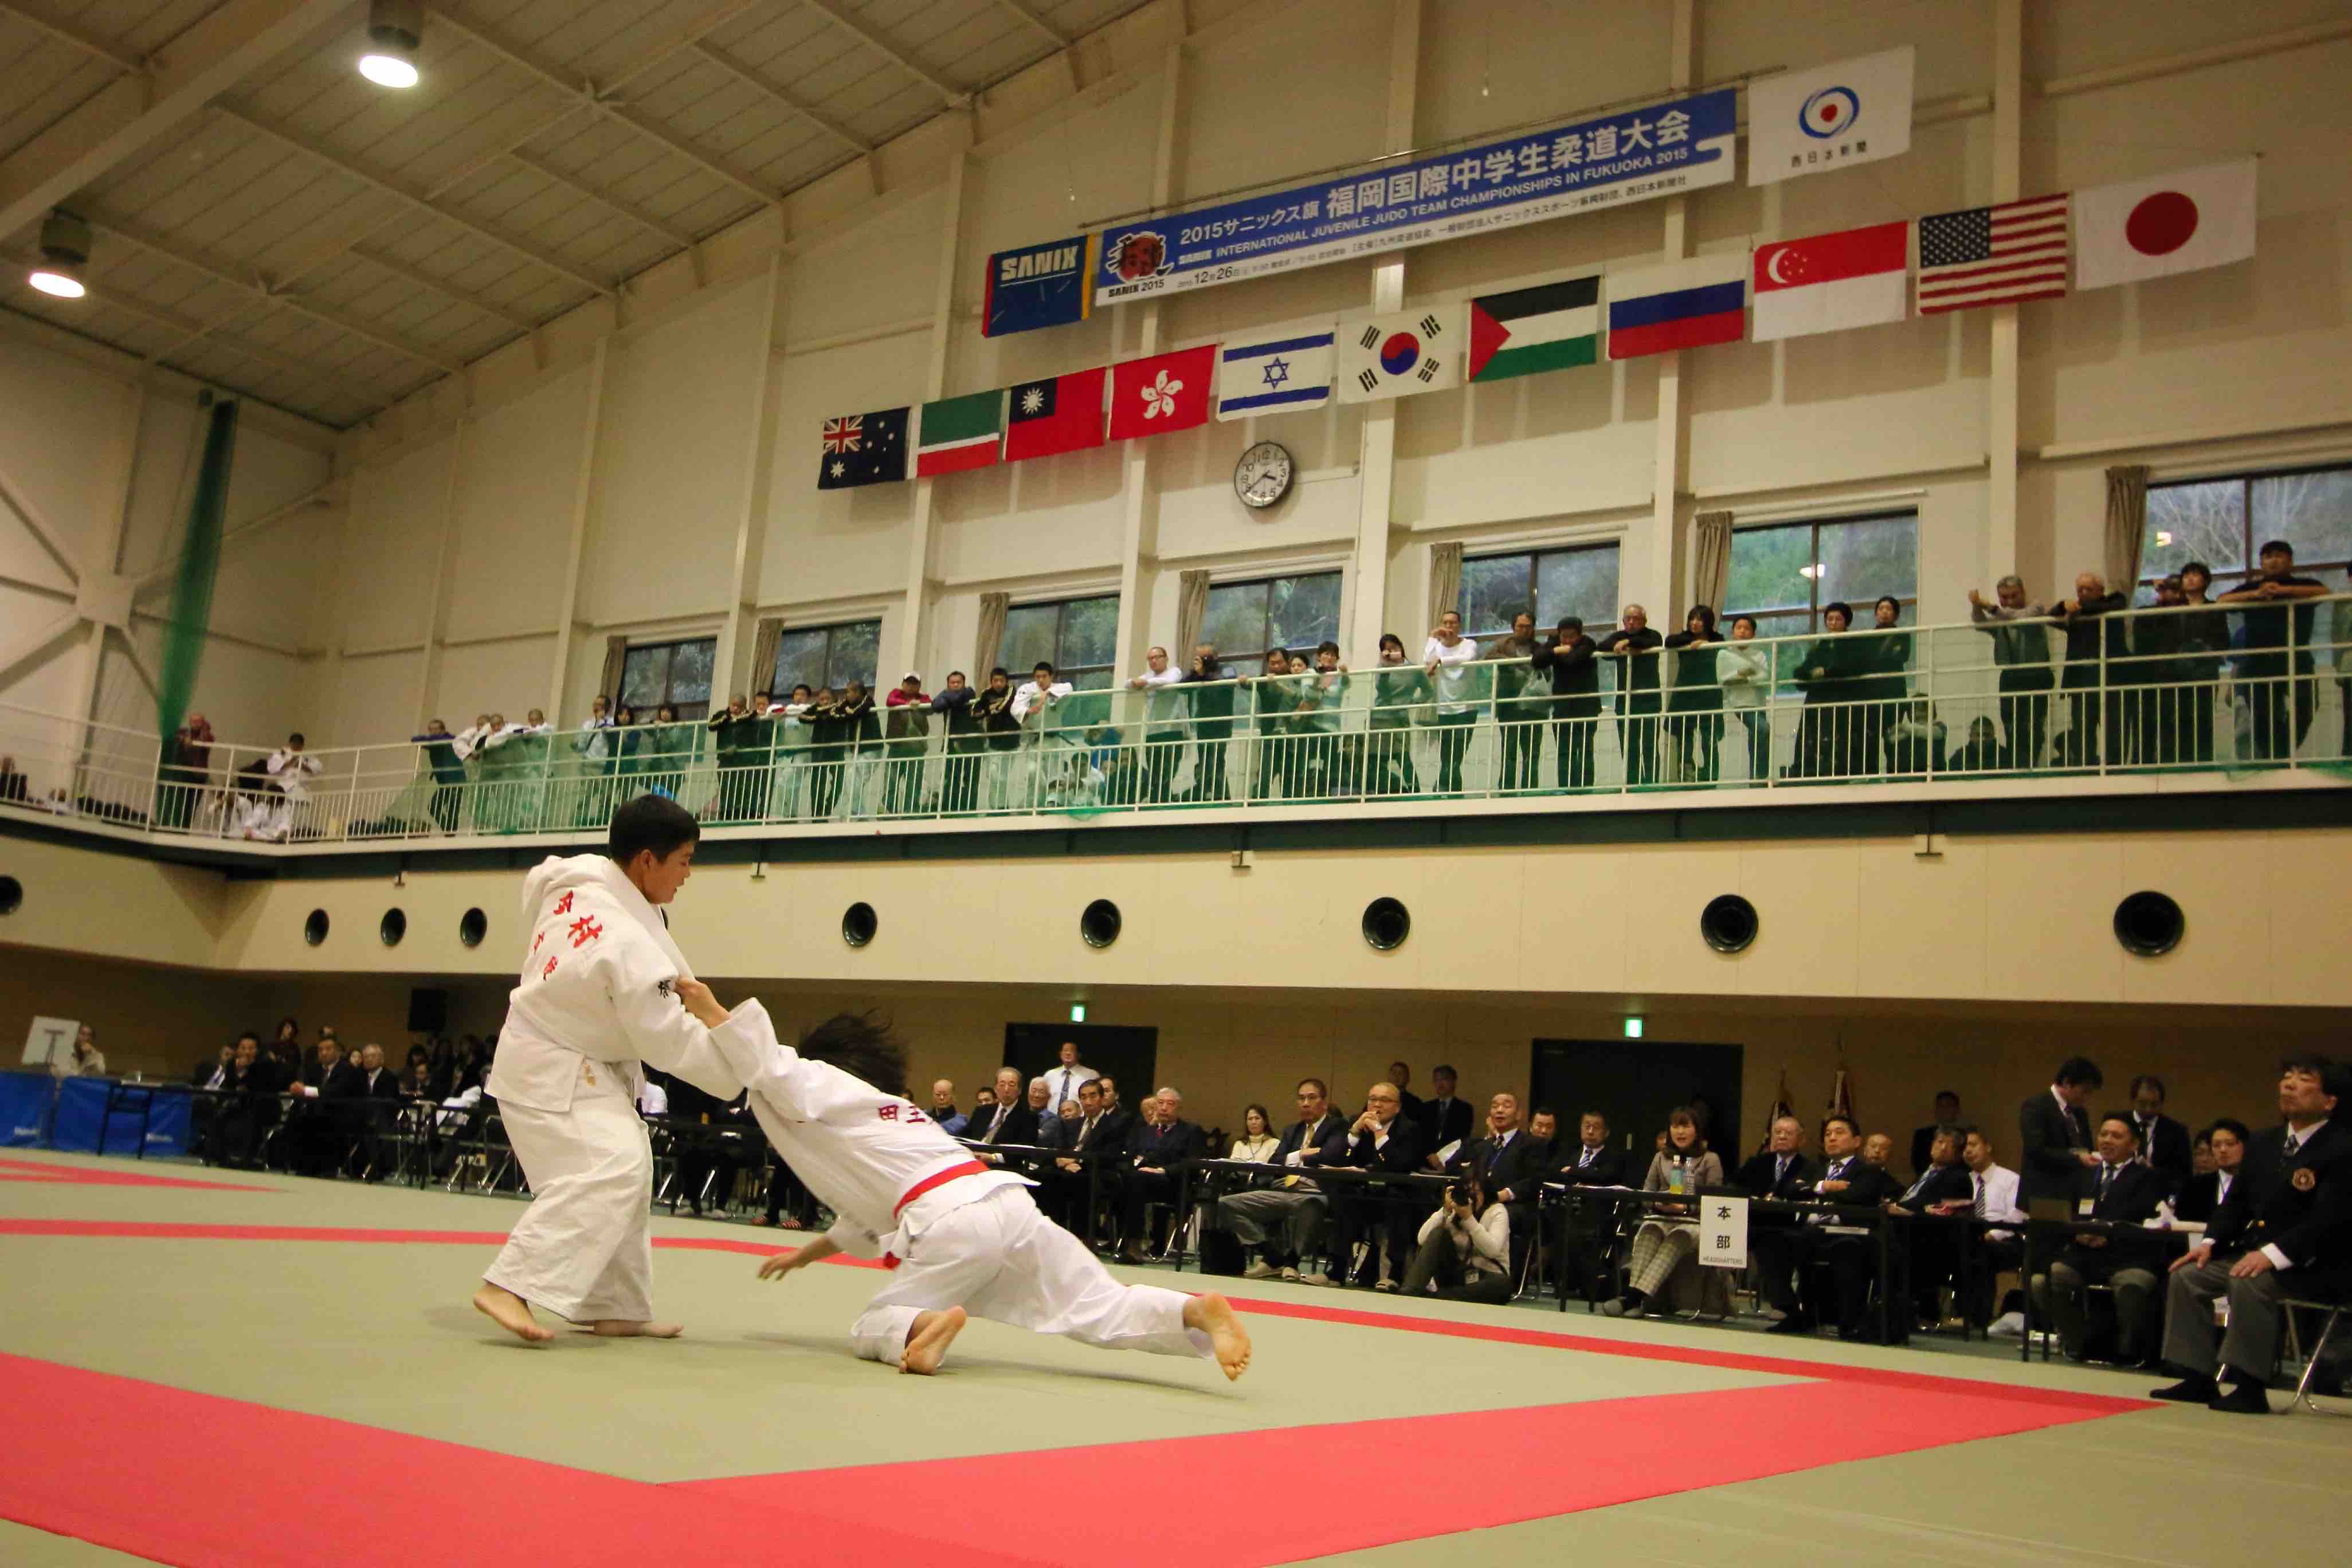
(1129, 1055)
(1635, 1084)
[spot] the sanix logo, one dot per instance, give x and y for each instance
(1143, 254)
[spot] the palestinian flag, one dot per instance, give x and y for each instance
(1552, 326)
(959, 433)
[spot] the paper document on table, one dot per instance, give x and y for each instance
(1445, 1155)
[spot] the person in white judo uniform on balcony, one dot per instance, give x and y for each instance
(960, 1238)
(597, 1001)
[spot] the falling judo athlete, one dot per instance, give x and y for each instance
(960, 1238)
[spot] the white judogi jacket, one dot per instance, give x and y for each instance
(597, 987)
(878, 1161)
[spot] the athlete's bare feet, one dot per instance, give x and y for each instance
(1213, 1315)
(511, 1312)
(927, 1341)
(626, 1329)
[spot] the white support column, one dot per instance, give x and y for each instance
(738, 632)
(2000, 382)
(1376, 467)
(583, 491)
(436, 618)
(1138, 510)
(914, 620)
(1662, 587)
(104, 595)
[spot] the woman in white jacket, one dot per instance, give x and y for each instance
(1745, 673)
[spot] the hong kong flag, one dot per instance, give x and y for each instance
(1059, 414)
(1166, 392)
(2175, 223)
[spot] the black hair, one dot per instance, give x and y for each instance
(2280, 545)
(1447, 1069)
(997, 671)
(1701, 612)
(2081, 1070)
(1838, 607)
(296, 739)
(1888, 599)
(1045, 664)
(1327, 646)
(1744, 616)
(2188, 566)
(1320, 1087)
(650, 821)
(1851, 1124)
(1388, 638)
(800, 685)
(1952, 1094)
(1572, 623)
(2148, 1081)
(249, 1034)
(1964, 1130)
(2335, 1077)
(1543, 1110)
(2126, 1117)
(862, 1045)
(1263, 1115)
(2230, 1124)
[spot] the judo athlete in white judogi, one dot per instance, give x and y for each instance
(597, 1001)
(958, 1237)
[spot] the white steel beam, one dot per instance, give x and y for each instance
(637, 215)
(443, 287)
(953, 96)
(757, 81)
(1060, 39)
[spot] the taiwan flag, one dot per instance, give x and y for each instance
(1060, 413)
(863, 449)
(1682, 305)
(1166, 392)
(2175, 223)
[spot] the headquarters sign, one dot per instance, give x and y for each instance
(1659, 150)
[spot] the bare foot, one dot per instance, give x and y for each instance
(624, 1329)
(927, 1342)
(1213, 1315)
(511, 1312)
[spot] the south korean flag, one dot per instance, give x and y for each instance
(1398, 355)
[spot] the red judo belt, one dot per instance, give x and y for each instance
(938, 1179)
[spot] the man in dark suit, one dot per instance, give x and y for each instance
(1118, 1119)
(2288, 1217)
(1380, 1139)
(1849, 1182)
(1009, 1121)
(247, 1110)
(1280, 1219)
(1923, 1139)
(1443, 1118)
(1064, 1184)
(2122, 1192)
(2227, 1139)
(1509, 1163)
(1591, 1161)
(1401, 1075)
(1780, 1169)
(213, 1073)
(2054, 1134)
(1943, 1187)
(2163, 1142)
(1157, 1148)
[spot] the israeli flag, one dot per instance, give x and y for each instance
(1277, 377)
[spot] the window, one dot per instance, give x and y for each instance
(677, 673)
(1246, 621)
(1075, 635)
(2223, 524)
(1545, 583)
(817, 656)
(1784, 575)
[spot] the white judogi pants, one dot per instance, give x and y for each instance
(998, 1258)
(585, 1249)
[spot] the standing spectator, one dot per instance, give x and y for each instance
(187, 767)
(2091, 661)
(1923, 1139)
(2023, 652)
(909, 715)
(1279, 1220)
(2054, 1132)
(2163, 1141)
(2204, 644)
(1831, 672)
(1667, 1240)
(16, 789)
(2122, 1192)
(2155, 715)
(2275, 665)
(1399, 691)
(1635, 647)
(1885, 655)
(1401, 1075)
(2339, 635)
(1273, 697)
(290, 766)
(828, 752)
(440, 749)
(728, 732)
(670, 749)
(2208, 1190)
(1745, 673)
(1694, 729)
(1033, 708)
(1446, 661)
(959, 779)
(1064, 1077)
(862, 732)
(1163, 724)
(1213, 722)
(598, 748)
(1443, 1118)
(1518, 721)
(993, 708)
(1572, 660)
(1323, 700)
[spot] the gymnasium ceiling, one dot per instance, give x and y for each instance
(268, 222)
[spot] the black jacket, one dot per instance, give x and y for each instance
(1164, 1147)
(2131, 1196)
(1607, 1169)
(2302, 1204)
(1212, 705)
(2198, 1198)
(1637, 675)
(1575, 676)
(2165, 1148)
(2047, 1146)
(1019, 1126)
(1922, 1145)
(1695, 687)
(1866, 1185)
(992, 710)
(1401, 1152)
(1756, 1177)
(1938, 1185)
(1437, 1130)
(1518, 1168)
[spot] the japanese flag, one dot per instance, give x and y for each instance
(2175, 223)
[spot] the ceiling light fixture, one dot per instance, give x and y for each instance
(396, 28)
(64, 249)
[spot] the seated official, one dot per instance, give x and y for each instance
(1509, 1163)
(1058, 1129)
(1780, 1171)
(1943, 1188)
(943, 1108)
(710, 1144)
(318, 1138)
(1590, 1162)
(1156, 1152)
(2123, 1192)
(1849, 1182)
(2225, 1142)
(1279, 1219)
(1463, 1249)
(1665, 1247)
(1007, 1119)
(2289, 1213)
(1065, 1187)
(1381, 1140)
(248, 1111)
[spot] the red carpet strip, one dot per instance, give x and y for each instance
(85, 1176)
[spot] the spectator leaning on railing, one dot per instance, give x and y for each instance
(959, 781)
(2091, 612)
(2277, 653)
(187, 766)
(908, 712)
(1399, 691)
(1446, 660)
(1695, 725)
(1571, 659)
(2022, 654)
(1518, 722)
(1745, 673)
(1213, 722)
(1163, 724)
(1633, 649)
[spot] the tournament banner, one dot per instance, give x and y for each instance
(1037, 286)
(1660, 150)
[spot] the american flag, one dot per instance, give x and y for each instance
(1993, 255)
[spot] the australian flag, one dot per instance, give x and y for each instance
(863, 449)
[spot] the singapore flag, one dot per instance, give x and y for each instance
(2175, 223)
(1831, 281)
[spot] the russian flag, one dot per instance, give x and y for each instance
(1682, 305)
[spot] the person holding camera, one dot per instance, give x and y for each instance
(1465, 1247)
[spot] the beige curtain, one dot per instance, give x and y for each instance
(1444, 580)
(992, 608)
(764, 653)
(2127, 525)
(1191, 609)
(617, 656)
(1711, 559)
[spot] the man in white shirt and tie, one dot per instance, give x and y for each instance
(1062, 1082)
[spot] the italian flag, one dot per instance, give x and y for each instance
(959, 433)
(1552, 326)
